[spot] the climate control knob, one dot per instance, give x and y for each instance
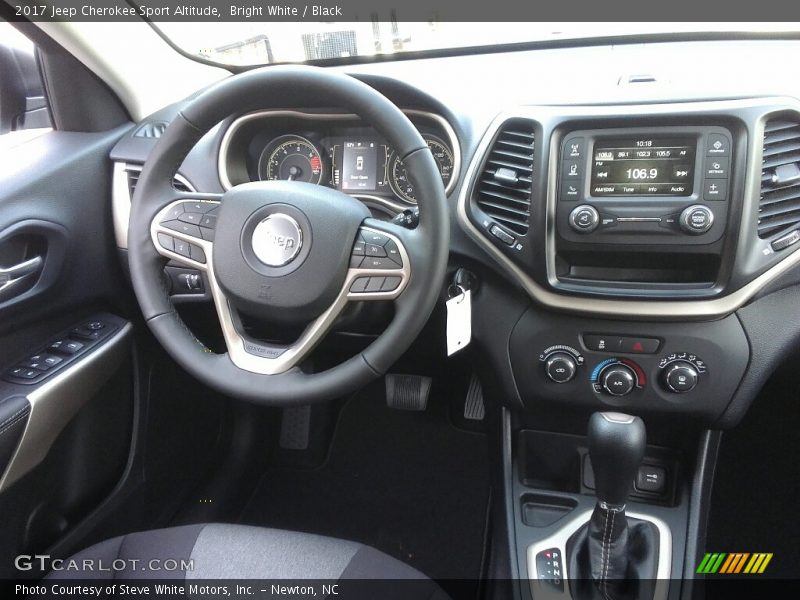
(618, 380)
(584, 219)
(680, 377)
(560, 367)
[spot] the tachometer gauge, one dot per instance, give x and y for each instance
(398, 176)
(290, 158)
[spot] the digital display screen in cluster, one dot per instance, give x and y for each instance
(643, 167)
(359, 169)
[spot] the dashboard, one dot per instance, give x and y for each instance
(624, 235)
(336, 150)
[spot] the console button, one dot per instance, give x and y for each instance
(571, 169)
(602, 343)
(696, 219)
(574, 148)
(637, 345)
(718, 145)
(571, 190)
(502, 235)
(717, 167)
(681, 377)
(651, 479)
(584, 219)
(67, 347)
(715, 189)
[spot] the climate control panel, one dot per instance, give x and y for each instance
(663, 367)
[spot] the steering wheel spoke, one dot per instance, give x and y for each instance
(184, 229)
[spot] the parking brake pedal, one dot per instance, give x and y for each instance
(474, 408)
(407, 392)
(295, 428)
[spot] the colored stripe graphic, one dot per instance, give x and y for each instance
(711, 562)
(734, 563)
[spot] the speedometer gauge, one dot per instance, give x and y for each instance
(398, 175)
(290, 158)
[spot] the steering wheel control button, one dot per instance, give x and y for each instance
(181, 227)
(174, 212)
(390, 284)
(618, 380)
(359, 285)
(560, 367)
(681, 377)
(696, 219)
(372, 237)
(715, 189)
(379, 263)
(502, 235)
(584, 219)
(359, 248)
(182, 248)
(191, 217)
(355, 261)
(374, 284)
(375, 250)
(208, 221)
(65, 347)
(277, 240)
(393, 252)
(199, 207)
(166, 241)
(197, 253)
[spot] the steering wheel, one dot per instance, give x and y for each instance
(294, 252)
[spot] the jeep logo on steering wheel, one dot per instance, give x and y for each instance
(277, 240)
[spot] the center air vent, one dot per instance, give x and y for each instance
(178, 182)
(504, 188)
(779, 205)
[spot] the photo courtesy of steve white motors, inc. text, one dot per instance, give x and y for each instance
(241, 11)
(192, 590)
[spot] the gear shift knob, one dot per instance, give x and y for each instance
(616, 449)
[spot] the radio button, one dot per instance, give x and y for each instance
(584, 219)
(571, 169)
(717, 167)
(715, 189)
(718, 145)
(574, 148)
(696, 219)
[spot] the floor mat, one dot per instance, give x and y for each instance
(407, 483)
(756, 486)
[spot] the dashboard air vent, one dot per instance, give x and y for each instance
(504, 189)
(779, 205)
(133, 178)
(151, 130)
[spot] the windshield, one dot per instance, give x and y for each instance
(252, 43)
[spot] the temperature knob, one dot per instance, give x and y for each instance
(680, 377)
(560, 367)
(584, 219)
(618, 380)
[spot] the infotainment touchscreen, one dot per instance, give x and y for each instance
(643, 166)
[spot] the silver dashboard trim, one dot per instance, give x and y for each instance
(559, 540)
(121, 199)
(656, 309)
(57, 400)
(452, 139)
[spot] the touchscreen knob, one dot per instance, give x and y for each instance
(560, 367)
(584, 219)
(696, 219)
(618, 380)
(680, 377)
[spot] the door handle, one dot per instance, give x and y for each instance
(12, 278)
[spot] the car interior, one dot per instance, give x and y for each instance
(505, 321)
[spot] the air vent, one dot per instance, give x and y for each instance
(133, 178)
(151, 130)
(504, 189)
(779, 205)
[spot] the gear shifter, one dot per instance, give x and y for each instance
(616, 449)
(613, 557)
